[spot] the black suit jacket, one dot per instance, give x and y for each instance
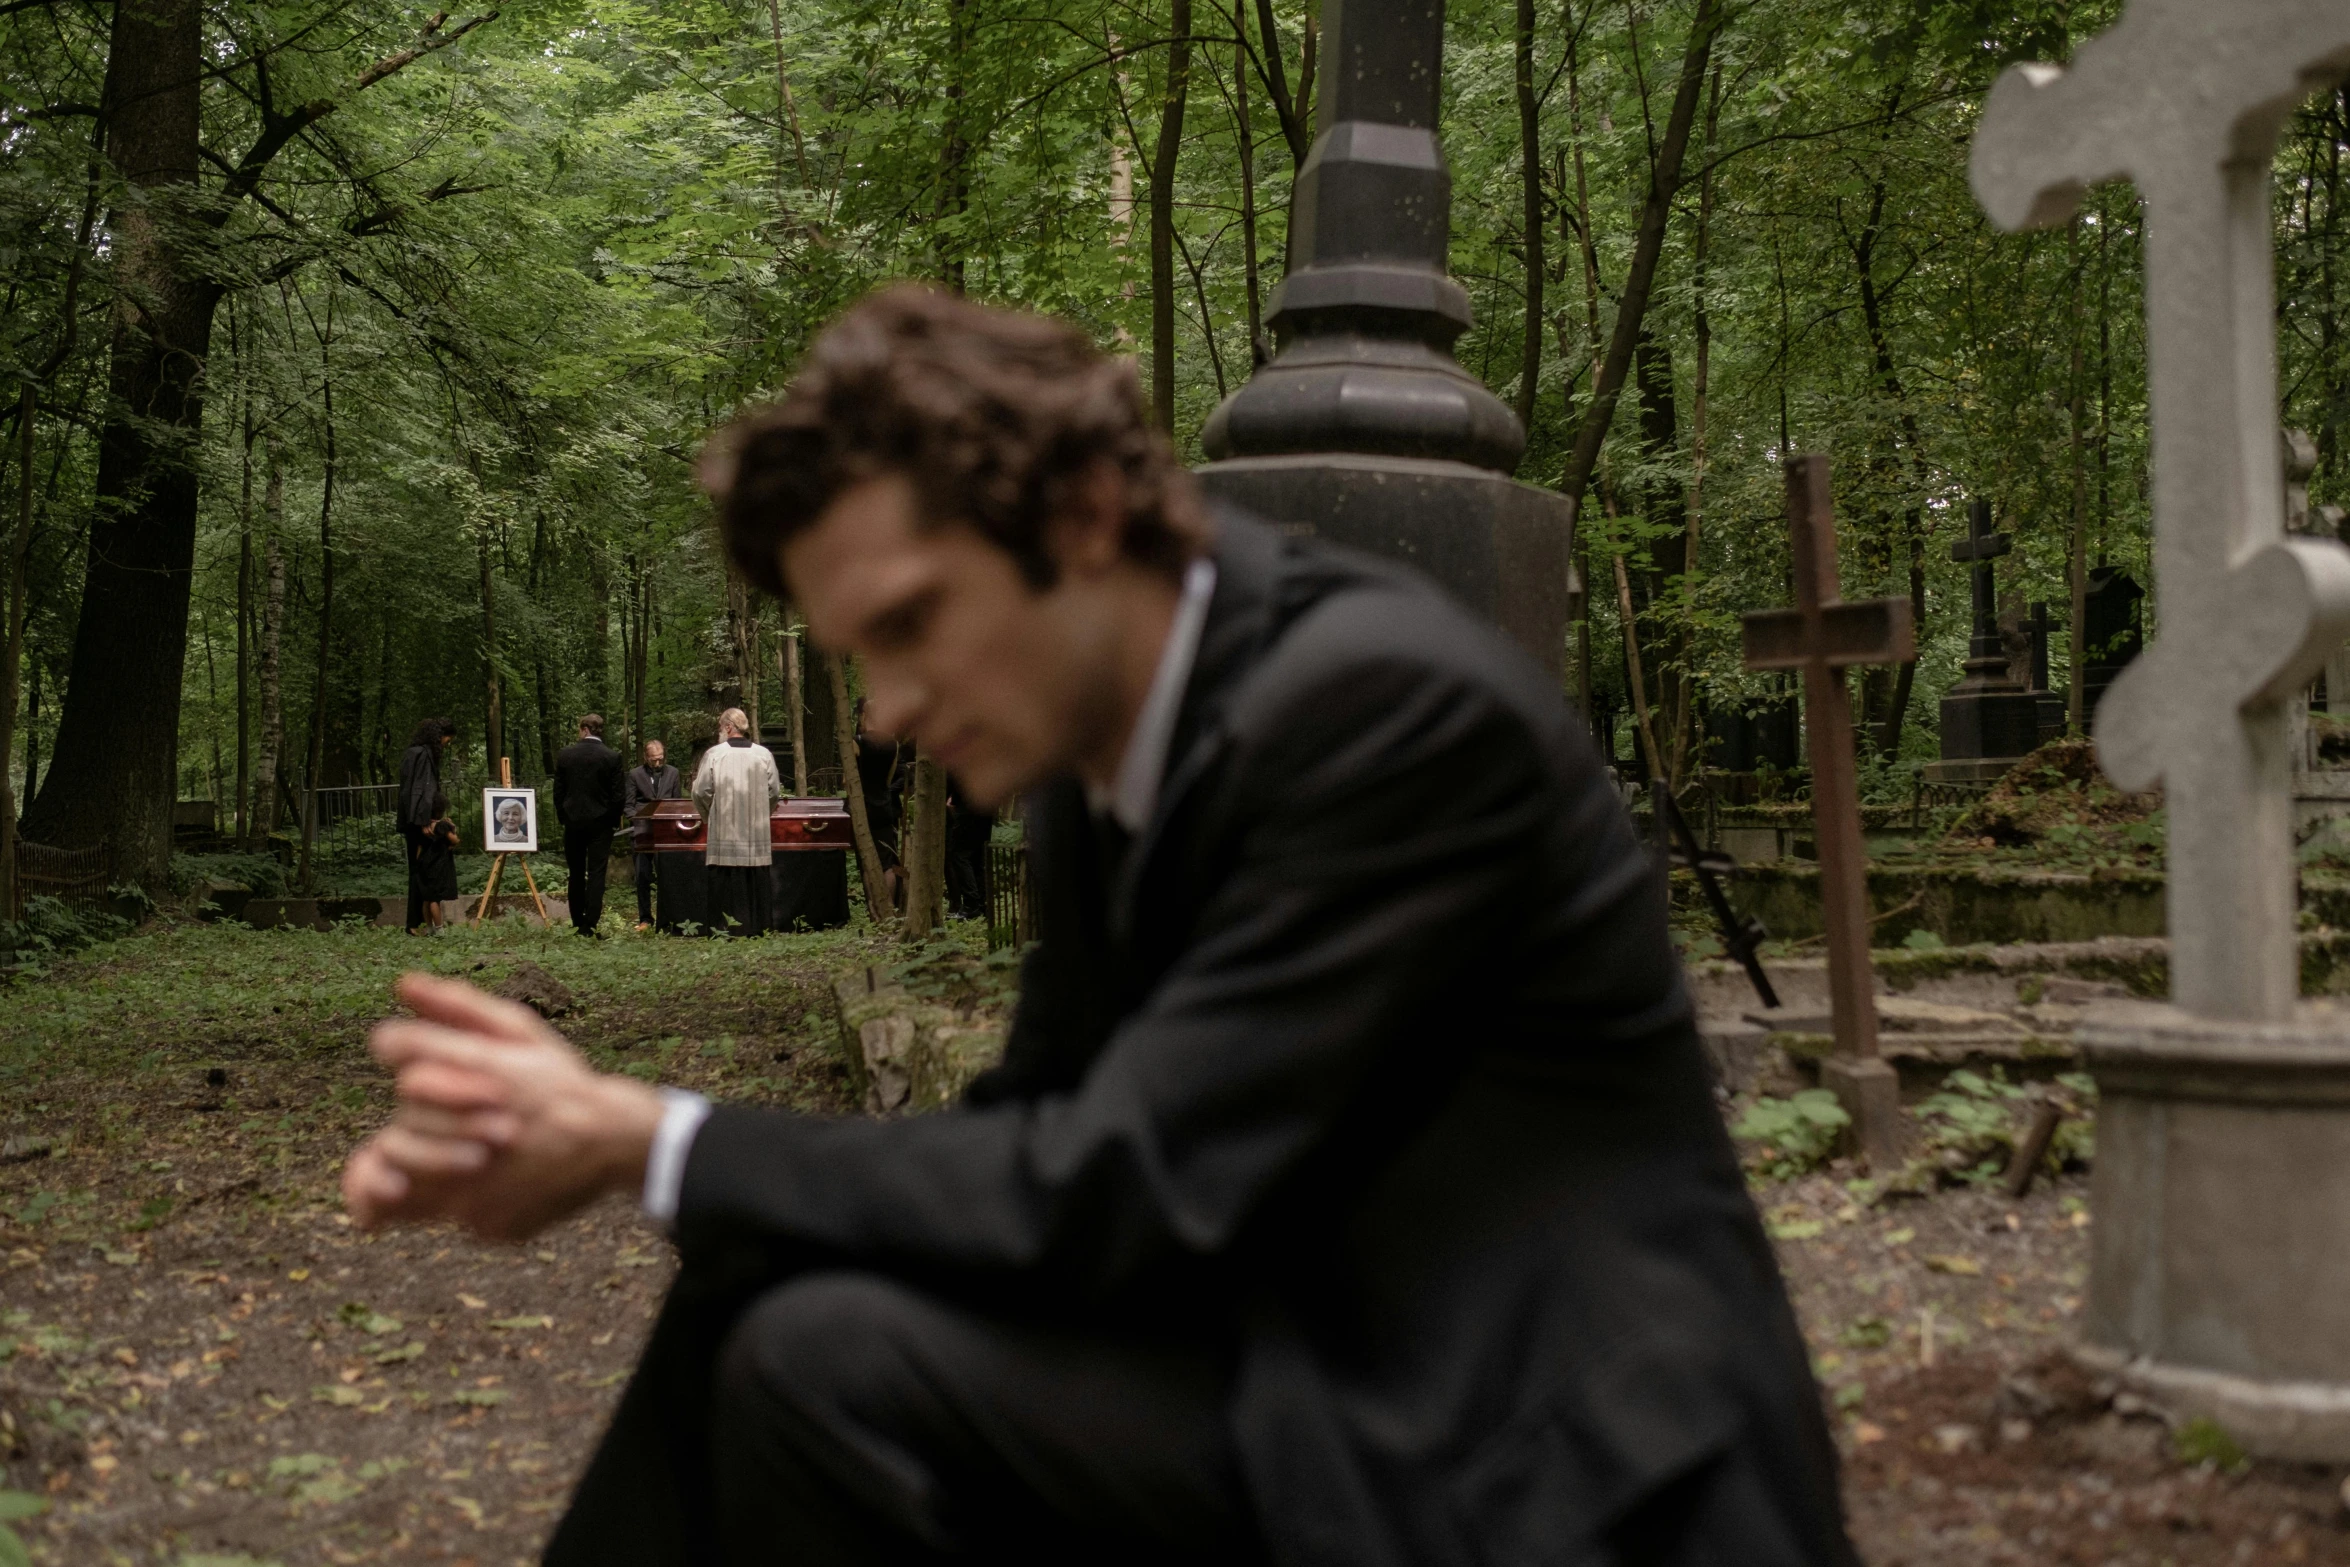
(590, 784)
(1369, 1059)
(647, 783)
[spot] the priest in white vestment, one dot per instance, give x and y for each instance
(735, 790)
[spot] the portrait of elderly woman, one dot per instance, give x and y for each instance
(509, 821)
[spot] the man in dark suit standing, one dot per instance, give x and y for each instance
(653, 780)
(1351, 1191)
(589, 797)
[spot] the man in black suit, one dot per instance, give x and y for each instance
(589, 796)
(1351, 1190)
(654, 780)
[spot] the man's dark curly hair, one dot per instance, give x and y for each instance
(994, 415)
(429, 732)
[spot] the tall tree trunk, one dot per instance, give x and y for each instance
(926, 849)
(1664, 182)
(273, 620)
(16, 553)
(244, 620)
(1685, 703)
(1258, 349)
(114, 773)
(599, 691)
(844, 734)
(1884, 726)
(315, 768)
(1530, 178)
(954, 171)
(1663, 620)
(20, 536)
(795, 701)
(493, 729)
(2077, 563)
(1162, 171)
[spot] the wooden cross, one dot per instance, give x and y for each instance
(2186, 99)
(1821, 635)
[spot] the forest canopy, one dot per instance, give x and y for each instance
(358, 356)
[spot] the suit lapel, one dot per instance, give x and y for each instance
(1241, 618)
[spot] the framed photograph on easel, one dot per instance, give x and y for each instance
(510, 821)
(509, 830)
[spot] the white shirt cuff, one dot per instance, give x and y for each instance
(682, 1115)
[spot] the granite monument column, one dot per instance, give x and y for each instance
(1363, 428)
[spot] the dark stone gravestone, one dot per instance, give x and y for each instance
(1363, 428)
(1988, 719)
(1749, 741)
(2113, 629)
(2037, 626)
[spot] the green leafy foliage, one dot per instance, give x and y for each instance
(1792, 1135)
(2203, 1440)
(15, 1507)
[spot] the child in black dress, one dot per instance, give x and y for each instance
(436, 860)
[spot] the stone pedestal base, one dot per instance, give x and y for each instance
(1970, 769)
(2219, 1278)
(1501, 547)
(1989, 722)
(1870, 1092)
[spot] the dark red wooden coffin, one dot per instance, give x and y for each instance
(674, 826)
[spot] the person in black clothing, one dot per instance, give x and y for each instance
(654, 780)
(590, 791)
(436, 861)
(1351, 1191)
(881, 775)
(420, 784)
(968, 830)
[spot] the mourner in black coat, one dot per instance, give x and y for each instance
(1350, 1192)
(590, 793)
(420, 786)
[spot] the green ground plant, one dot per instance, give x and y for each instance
(1791, 1136)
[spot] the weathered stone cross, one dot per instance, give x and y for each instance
(2186, 98)
(1820, 636)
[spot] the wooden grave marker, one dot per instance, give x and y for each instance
(1820, 636)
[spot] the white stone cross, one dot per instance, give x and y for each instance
(2186, 99)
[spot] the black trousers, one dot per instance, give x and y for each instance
(587, 855)
(739, 899)
(845, 1418)
(412, 838)
(645, 867)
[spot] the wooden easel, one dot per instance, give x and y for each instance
(499, 858)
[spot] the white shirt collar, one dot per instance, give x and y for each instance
(1135, 793)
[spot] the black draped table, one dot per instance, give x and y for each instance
(808, 879)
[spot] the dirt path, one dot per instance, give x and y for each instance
(200, 1361)
(201, 1364)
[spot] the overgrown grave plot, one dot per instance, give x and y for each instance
(199, 1358)
(1937, 1310)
